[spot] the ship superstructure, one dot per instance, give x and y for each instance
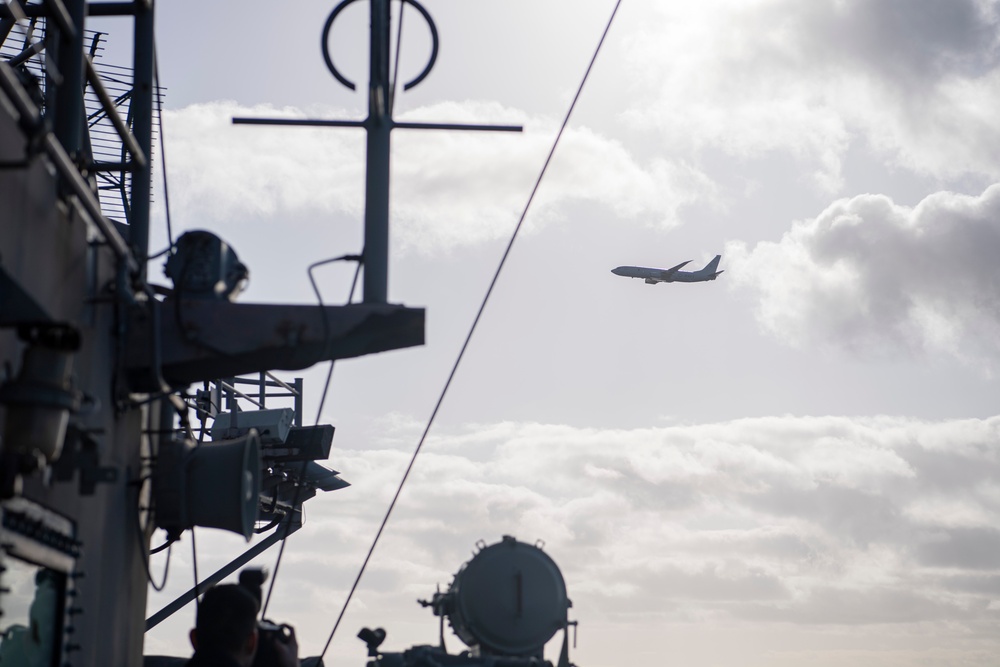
(116, 388)
(131, 403)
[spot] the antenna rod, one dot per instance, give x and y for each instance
(142, 128)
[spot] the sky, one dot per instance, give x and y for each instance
(795, 463)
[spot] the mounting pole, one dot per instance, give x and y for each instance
(378, 126)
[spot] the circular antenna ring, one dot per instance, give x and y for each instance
(324, 44)
(328, 59)
(434, 43)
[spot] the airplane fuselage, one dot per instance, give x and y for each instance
(656, 275)
(671, 275)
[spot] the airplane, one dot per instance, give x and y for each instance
(671, 275)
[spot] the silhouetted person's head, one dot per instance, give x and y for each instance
(227, 623)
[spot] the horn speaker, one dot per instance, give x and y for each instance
(214, 485)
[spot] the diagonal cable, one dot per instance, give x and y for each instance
(395, 69)
(472, 329)
(319, 411)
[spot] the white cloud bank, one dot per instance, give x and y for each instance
(449, 188)
(872, 276)
(880, 531)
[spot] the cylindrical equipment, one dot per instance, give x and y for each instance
(509, 600)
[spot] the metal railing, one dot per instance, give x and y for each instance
(267, 386)
(86, 117)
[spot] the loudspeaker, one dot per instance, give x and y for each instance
(214, 485)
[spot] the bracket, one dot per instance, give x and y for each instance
(80, 453)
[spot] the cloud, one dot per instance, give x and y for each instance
(449, 188)
(870, 276)
(916, 80)
(907, 43)
(882, 524)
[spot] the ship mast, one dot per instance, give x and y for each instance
(378, 126)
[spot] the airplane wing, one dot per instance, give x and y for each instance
(674, 269)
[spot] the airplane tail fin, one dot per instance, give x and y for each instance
(713, 265)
